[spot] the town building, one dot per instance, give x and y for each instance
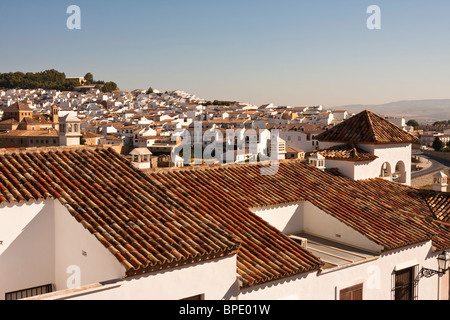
(22, 128)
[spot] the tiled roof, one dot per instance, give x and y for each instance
(172, 217)
(31, 133)
(17, 106)
(374, 212)
(135, 220)
(430, 208)
(366, 127)
(347, 152)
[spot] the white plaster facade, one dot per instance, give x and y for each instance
(397, 158)
(375, 273)
(41, 243)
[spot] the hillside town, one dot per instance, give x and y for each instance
(158, 121)
(167, 196)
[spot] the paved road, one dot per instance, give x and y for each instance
(437, 164)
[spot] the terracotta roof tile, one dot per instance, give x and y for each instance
(136, 222)
(174, 217)
(366, 127)
(347, 152)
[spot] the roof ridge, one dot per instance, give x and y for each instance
(371, 124)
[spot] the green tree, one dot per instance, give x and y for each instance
(412, 123)
(89, 78)
(150, 90)
(438, 145)
(109, 86)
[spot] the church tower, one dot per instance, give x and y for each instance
(69, 129)
(55, 116)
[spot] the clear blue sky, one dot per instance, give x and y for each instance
(258, 51)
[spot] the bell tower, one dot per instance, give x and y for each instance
(55, 116)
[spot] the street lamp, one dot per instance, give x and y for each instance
(443, 265)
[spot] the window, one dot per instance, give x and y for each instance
(352, 293)
(31, 292)
(405, 284)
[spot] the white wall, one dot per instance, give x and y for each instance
(286, 218)
(26, 253)
(391, 153)
(43, 244)
(305, 217)
(317, 222)
(80, 259)
(375, 275)
(214, 280)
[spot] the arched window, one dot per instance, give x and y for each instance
(385, 170)
(400, 172)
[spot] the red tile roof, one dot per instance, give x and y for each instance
(173, 217)
(366, 127)
(135, 220)
(348, 152)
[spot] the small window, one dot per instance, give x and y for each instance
(405, 284)
(352, 293)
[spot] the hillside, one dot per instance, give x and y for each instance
(424, 111)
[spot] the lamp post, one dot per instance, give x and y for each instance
(443, 265)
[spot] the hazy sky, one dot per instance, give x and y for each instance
(283, 52)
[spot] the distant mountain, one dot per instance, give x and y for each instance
(424, 111)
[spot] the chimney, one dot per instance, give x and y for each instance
(318, 161)
(440, 182)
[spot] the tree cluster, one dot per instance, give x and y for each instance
(220, 103)
(442, 123)
(49, 80)
(439, 145)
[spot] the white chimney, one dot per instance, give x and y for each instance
(318, 161)
(440, 182)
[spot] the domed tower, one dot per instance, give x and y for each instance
(368, 146)
(69, 129)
